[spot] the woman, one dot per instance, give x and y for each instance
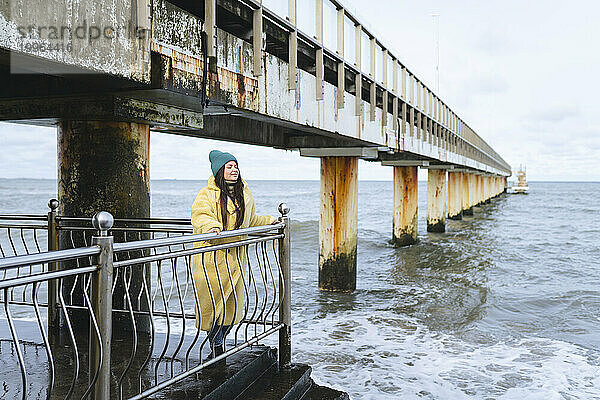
(225, 204)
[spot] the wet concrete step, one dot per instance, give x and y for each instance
(292, 383)
(225, 381)
(318, 392)
(280, 384)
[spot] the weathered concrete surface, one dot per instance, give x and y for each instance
(81, 36)
(47, 110)
(338, 225)
(454, 196)
(477, 184)
(161, 67)
(405, 206)
(104, 166)
(436, 200)
(466, 195)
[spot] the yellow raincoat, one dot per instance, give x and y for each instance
(206, 214)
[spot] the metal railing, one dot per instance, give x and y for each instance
(351, 52)
(150, 291)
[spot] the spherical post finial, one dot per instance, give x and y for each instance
(103, 221)
(53, 204)
(284, 209)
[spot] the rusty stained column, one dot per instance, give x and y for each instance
(436, 200)
(487, 189)
(104, 166)
(405, 206)
(481, 190)
(338, 225)
(472, 191)
(477, 183)
(467, 209)
(454, 196)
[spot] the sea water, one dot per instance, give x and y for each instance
(504, 305)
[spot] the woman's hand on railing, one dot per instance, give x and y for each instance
(278, 220)
(214, 230)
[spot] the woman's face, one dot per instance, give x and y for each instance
(231, 172)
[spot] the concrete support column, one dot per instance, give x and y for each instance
(405, 206)
(467, 209)
(339, 223)
(103, 166)
(472, 191)
(454, 195)
(436, 200)
(477, 190)
(486, 189)
(481, 189)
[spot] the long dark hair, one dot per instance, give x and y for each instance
(237, 196)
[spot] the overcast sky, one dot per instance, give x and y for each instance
(523, 74)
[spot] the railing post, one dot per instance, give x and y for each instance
(53, 312)
(101, 298)
(285, 290)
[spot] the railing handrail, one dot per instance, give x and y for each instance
(44, 217)
(48, 256)
(46, 276)
(24, 217)
(199, 237)
(199, 250)
(171, 221)
(99, 286)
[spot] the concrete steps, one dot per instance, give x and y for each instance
(225, 381)
(292, 383)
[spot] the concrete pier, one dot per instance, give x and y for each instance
(104, 166)
(478, 195)
(454, 195)
(436, 200)
(486, 189)
(338, 224)
(405, 206)
(467, 209)
(484, 196)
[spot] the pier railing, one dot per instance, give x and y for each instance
(148, 290)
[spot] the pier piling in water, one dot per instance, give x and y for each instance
(436, 200)
(405, 206)
(338, 224)
(104, 166)
(454, 196)
(467, 208)
(478, 191)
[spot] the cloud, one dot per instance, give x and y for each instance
(485, 85)
(491, 41)
(555, 113)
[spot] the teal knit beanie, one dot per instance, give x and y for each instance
(218, 159)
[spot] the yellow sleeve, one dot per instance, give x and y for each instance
(257, 220)
(204, 213)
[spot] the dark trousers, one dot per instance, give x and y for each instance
(216, 336)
